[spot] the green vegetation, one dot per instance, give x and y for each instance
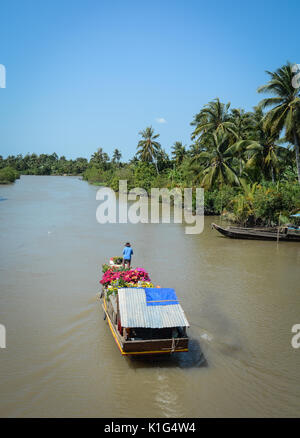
(247, 161)
(32, 164)
(8, 175)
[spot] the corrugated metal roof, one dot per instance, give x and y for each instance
(134, 311)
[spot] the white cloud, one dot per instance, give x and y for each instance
(161, 120)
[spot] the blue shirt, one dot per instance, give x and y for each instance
(127, 252)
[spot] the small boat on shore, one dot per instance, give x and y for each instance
(146, 321)
(282, 234)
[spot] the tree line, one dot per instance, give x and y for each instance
(44, 164)
(247, 161)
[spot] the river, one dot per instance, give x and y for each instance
(241, 299)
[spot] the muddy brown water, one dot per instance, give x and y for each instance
(241, 298)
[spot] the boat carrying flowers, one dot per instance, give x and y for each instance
(143, 319)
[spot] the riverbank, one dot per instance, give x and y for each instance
(253, 199)
(258, 204)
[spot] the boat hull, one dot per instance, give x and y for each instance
(156, 346)
(256, 234)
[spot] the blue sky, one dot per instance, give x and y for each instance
(88, 74)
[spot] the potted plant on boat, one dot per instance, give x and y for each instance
(116, 261)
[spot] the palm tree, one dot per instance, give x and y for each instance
(264, 157)
(263, 150)
(178, 152)
(162, 159)
(214, 117)
(117, 155)
(243, 123)
(218, 163)
(243, 204)
(174, 175)
(100, 157)
(148, 148)
(285, 112)
(243, 127)
(195, 149)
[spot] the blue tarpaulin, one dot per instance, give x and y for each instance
(160, 296)
(295, 215)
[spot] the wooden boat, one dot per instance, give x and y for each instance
(286, 234)
(139, 329)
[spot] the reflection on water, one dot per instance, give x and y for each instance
(240, 297)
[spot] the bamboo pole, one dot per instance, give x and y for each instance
(278, 227)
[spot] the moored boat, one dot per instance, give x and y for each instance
(286, 234)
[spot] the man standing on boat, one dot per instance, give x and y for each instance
(127, 253)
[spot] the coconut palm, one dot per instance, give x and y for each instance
(243, 123)
(116, 156)
(263, 151)
(100, 158)
(218, 168)
(148, 148)
(258, 153)
(195, 149)
(284, 114)
(243, 204)
(214, 117)
(178, 152)
(264, 157)
(162, 160)
(174, 175)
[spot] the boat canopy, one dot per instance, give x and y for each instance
(150, 308)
